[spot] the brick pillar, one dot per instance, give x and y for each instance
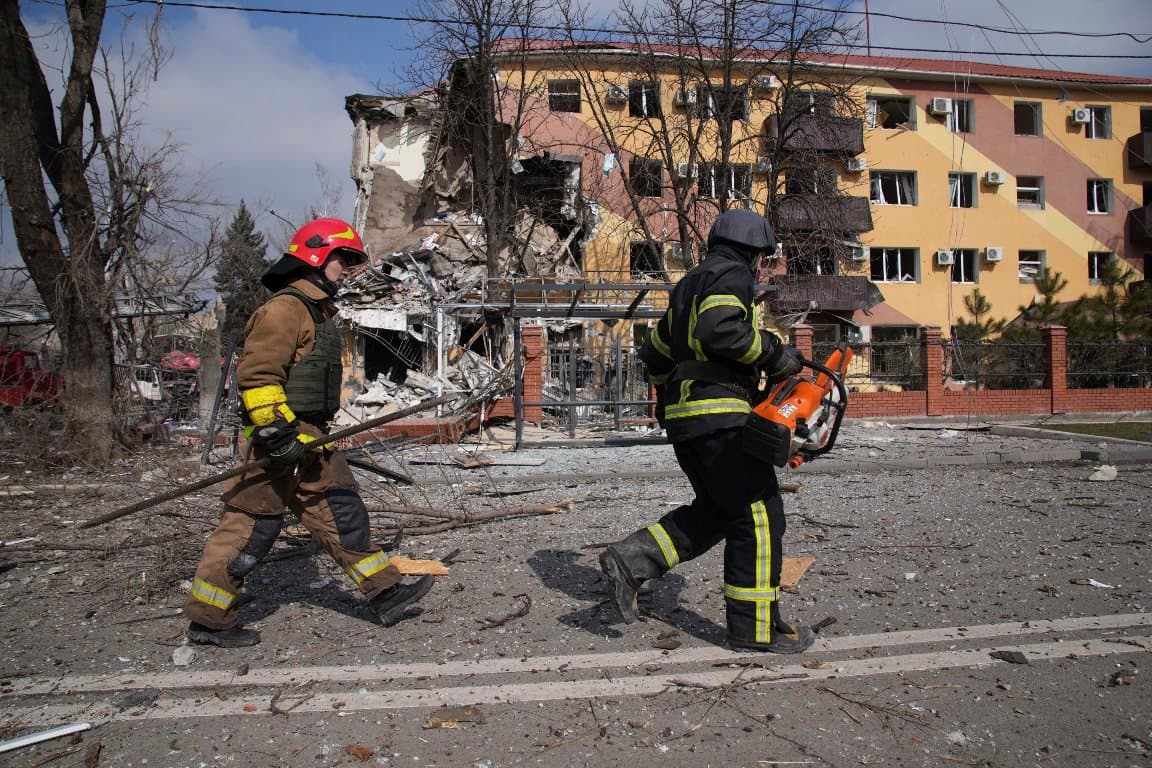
(1056, 342)
(932, 363)
(802, 339)
(532, 337)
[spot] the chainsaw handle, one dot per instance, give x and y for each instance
(840, 406)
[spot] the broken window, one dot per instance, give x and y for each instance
(1100, 123)
(1026, 118)
(646, 177)
(1030, 191)
(962, 190)
(644, 99)
(894, 265)
(811, 260)
(645, 260)
(1096, 262)
(391, 354)
(1031, 264)
(1099, 195)
(893, 187)
(965, 265)
(959, 120)
(564, 95)
(733, 181)
(810, 181)
(716, 102)
(889, 112)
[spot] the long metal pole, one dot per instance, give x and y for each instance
(262, 463)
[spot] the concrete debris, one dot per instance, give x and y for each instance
(1104, 474)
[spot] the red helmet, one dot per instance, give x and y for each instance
(314, 242)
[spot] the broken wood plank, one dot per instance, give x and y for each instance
(794, 569)
(411, 567)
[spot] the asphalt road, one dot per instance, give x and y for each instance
(990, 605)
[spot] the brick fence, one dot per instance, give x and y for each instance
(936, 400)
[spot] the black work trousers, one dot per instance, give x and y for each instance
(737, 501)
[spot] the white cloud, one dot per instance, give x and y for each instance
(255, 111)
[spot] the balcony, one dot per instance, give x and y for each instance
(1140, 151)
(1140, 225)
(833, 214)
(829, 293)
(817, 133)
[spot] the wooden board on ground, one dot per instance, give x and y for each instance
(410, 567)
(793, 569)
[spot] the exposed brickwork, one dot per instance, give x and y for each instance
(1056, 340)
(802, 338)
(932, 363)
(532, 338)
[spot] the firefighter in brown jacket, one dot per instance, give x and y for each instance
(289, 380)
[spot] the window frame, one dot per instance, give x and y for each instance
(880, 269)
(965, 260)
(555, 95)
(639, 104)
(735, 172)
(966, 185)
(1096, 261)
(1036, 263)
(709, 100)
(872, 108)
(962, 117)
(1100, 124)
(642, 173)
(651, 252)
(1099, 200)
(1038, 203)
(1037, 110)
(897, 180)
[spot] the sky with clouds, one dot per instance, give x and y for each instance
(256, 100)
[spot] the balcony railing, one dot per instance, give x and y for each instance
(816, 133)
(1140, 224)
(831, 213)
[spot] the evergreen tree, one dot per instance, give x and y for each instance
(1115, 313)
(1046, 311)
(242, 262)
(981, 327)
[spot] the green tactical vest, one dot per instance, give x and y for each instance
(313, 385)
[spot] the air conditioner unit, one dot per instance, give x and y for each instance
(684, 97)
(944, 258)
(856, 164)
(766, 83)
(940, 106)
(616, 95)
(1081, 116)
(993, 253)
(859, 253)
(764, 164)
(686, 171)
(995, 177)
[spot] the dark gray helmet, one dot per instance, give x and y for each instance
(743, 228)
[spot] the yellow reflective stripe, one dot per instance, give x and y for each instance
(659, 344)
(753, 353)
(760, 525)
(671, 558)
(212, 595)
(750, 594)
(723, 300)
(361, 570)
(684, 410)
(693, 342)
(265, 404)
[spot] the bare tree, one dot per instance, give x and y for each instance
(88, 201)
(485, 115)
(745, 83)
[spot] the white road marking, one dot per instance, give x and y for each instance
(619, 674)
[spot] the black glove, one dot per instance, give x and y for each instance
(784, 363)
(283, 441)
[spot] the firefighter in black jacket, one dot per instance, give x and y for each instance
(706, 357)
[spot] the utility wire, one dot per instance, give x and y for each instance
(608, 30)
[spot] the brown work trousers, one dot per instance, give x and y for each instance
(322, 492)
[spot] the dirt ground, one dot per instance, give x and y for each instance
(935, 546)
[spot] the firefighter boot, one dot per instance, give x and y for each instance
(627, 564)
(392, 602)
(234, 637)
(785, 637)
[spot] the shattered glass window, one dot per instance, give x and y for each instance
(646, 177)
(564, 95)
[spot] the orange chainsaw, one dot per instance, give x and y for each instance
(800, 417)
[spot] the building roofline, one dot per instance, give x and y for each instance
(923, 68)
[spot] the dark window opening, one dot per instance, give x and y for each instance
(1026, 118)
(390, 354)
(890, 112)
(808, 260)
(564, 95)
(646, 260)
(718, 103)
(646, 177)
(644, 99)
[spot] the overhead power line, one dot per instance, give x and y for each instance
(611, 31)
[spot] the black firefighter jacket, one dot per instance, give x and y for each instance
(706, 352)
